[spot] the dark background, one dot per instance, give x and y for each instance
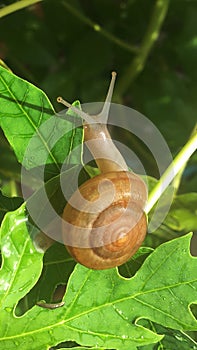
(60, 52)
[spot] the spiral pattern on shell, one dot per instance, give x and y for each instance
(113, 221)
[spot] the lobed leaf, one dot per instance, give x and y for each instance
(37, 135)
(95, 299)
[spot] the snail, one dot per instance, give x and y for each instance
(104, 222)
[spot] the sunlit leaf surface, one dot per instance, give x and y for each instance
(95, 299)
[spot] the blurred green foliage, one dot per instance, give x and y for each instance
(54, 46)
(69, 48)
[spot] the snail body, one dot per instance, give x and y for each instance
(104, 223)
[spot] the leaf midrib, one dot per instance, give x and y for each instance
(14, 275)
(97, 308)
(29, 119)
(112, 302)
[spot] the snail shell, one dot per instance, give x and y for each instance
(104, 223)
(113, 223)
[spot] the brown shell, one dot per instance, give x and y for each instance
(110, 226)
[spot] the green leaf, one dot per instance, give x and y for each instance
(183, 213)
(130, 267)
(57, 267)
(181, 219)
(161, 235)
(93, 296)
(172, 339)
(9, 167)
(82, 348)
(8, 204)
(21, 263)
(37, 135)
(52, 200)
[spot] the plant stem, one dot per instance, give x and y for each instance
(177, 179)
(137, 64)
(13, 188)
(188, 336)
(99, 29)
(4, 65)
(18, 5)
(173, 169)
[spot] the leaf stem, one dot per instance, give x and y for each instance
(98, 28)
(173, 169)
(137, 64)
(18, 5)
